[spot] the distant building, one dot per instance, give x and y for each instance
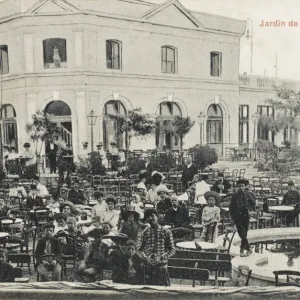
(71, 57)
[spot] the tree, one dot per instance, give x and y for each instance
(203, 156)
(180, 126)
(135, 124)
(287, 113)
(42, 129)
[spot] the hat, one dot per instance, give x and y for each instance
(49, 225)
(118, 239)
(242, 181)
(99, 194)
(130, 211)
(113, 143)
(215, 195)
(60, 216)
(95, 233)
(291, 183)
(174, 197)
(162, 189)
(70, 204)
(26, 145)
(150, 212)
(111, 198)
(33, 187)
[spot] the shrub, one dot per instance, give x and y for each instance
(203, 156)
(95, 164)
(135, 166)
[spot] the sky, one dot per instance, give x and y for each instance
(284, 40)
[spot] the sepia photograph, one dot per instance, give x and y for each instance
(149, 149)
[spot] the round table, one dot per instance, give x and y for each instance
(3, 235)
(39, 210)
(281, 208)
(84, 222)
(192, 246)
(225, 208)
(8, 222)
(149, 205)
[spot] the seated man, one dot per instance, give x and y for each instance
(126, 265)
(221, 185)
(18, 190)
(42, 191)
(292, 198)
(6, 270)
(177, 214)
(95, 258)
(48, 256)
(76, 195)
(34, 201)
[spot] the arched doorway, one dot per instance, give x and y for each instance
(214, 127)
(9, 130)
(110, 127)
(166, 112)
(60, 114)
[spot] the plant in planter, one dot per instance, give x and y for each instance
(203, 156)
(268, 152)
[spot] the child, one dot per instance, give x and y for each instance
(137, 205)
(210, 217)
(6, 270)
(126, 265)
(48, 245)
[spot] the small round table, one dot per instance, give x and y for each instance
(192, 246)
(8, 222)
(3, 235)
(281, 212)
(84, 222)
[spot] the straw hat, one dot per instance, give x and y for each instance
(70, 204)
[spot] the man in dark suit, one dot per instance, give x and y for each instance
(51, 152)
(33, 200)
(189, 171)
(76, 196)
(49, 246)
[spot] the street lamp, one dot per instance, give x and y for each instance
(201, 119)
(92, 121)
(254, 119)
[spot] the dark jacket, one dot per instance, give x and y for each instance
(4, 211)
(76, 197)
(241, 204)
(291, 198)
(162, 206)
(40, 249)
(121, 273)
(6, 273)
(225, 183)
(130, 229)
(179, 218)
(51, 153)
(38, 201)
(189, 173)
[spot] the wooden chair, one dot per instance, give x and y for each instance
(19, 259)
(228, 239)
(287, 273)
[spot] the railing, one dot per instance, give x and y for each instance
(66, 135)
(267, 82)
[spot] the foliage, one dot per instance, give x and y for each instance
(95, 164)
(203, 156)
(135, 166)
(180, 126)
(268, 152)
(163, 162)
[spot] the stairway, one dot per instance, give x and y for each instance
(66, 135)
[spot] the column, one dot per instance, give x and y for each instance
(80, 131)
(28, 50)
(78, 48)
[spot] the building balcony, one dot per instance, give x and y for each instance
(267, 83)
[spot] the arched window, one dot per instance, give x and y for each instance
(110, 127)
(55, 53)
(214, 127)
(166, 112)
(60, 113)
(113, 54)
(9, 126)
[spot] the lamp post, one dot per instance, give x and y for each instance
(92, 121)
(254, 119)
(201, 119)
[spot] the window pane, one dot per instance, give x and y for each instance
(215, 64)
(245, 111)
(108, 54)
(170, 54)
(4, 65)
(164, 53)
(55, 53)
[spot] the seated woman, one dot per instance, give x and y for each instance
(96, 257)
(111, 215)
(48, 255)
(210, 217)
(99, 209)
(126, 265)
(4, 210)
(68, 208)
(137, 205)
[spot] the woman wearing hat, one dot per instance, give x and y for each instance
(141, 185)
(68, 208)
(99, 209)
(131, 225)
(30, 162)
(111, 215)
(211, 217)
(164, 196)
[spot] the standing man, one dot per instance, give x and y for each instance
(242, 202)
(51, 151)
(189, 171)
(154, 246)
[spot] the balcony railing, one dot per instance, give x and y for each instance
(262, 82)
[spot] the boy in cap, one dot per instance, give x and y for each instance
(240, 206)
(154, 246)
(6, 270)
(48, 255)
